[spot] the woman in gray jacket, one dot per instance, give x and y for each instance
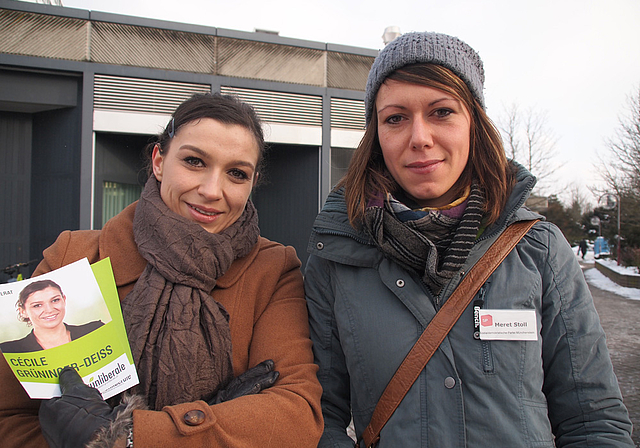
(429, 189)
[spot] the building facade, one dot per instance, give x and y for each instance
(83, 92)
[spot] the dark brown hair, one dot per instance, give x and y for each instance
(226, 109)
(368, 175)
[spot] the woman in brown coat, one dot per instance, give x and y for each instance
(215, 314)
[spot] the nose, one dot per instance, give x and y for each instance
(421, 134)
(210, 186)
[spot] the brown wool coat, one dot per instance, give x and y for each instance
(264, 296)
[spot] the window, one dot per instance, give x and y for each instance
(340, 158)
(116, 196)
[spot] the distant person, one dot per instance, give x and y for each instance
(42, 305)
(427, 192)
(583, 247)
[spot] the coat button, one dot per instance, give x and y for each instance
(400, 283)
(319, 245)
(194, 418)
(449, 382)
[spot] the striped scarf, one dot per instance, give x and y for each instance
(433, 244)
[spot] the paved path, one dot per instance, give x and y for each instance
(620, 318)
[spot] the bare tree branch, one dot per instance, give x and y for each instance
(621, 172)
(509, 128)
(529, 141)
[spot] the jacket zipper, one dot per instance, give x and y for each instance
(487, 355)
(345, 234)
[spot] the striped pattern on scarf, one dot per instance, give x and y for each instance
(432, 244)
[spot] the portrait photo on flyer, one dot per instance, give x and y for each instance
(67, 317)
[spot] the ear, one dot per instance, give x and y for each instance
(255, 179)
(157, 159)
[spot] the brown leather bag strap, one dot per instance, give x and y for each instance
(437, 330)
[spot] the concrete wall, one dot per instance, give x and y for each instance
(628, 281)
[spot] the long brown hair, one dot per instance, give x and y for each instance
(368, 175)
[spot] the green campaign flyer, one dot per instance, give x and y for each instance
(67, 317)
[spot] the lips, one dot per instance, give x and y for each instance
(49, 321)
(204, 211)
(203, 215)
(424, 166)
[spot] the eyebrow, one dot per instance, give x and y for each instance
(439, 100)
(48, 298)
(432, 103)
(244, 163)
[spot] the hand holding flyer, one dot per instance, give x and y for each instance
(67, 317)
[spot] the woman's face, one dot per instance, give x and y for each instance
(45, 309)
(207, 172)
(424, 135)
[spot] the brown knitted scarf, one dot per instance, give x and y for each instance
(179, 334)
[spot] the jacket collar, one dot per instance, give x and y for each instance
(239, 266)
(334, 219)
(514, 209)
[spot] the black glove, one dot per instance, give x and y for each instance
(251, 382)
(72, 420)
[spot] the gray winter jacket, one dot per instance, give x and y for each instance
(366, 312)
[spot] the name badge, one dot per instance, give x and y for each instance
(508, 325)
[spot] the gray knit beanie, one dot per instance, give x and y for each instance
(435, 48)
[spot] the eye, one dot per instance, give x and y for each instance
(443, 112)
(194, 161)
(393, 119)
(238, 174)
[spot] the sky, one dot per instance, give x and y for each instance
(575, 61)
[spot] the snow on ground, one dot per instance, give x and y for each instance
(599, 280)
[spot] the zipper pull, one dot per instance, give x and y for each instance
(477, 306)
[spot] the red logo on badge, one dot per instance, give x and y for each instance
(486, 320)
